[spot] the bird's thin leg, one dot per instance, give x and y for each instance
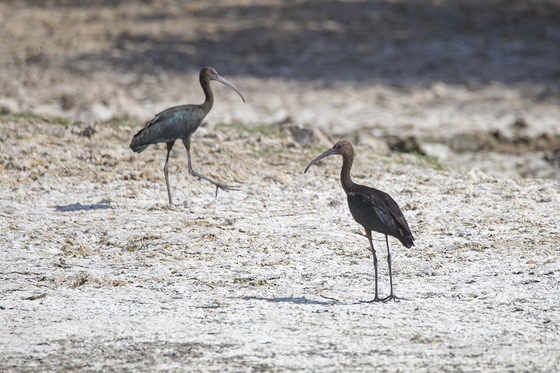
(368, 234)
(166, 170)
(187, 142)
(392, 295)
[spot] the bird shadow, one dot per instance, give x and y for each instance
(298, 300)
(79, 207)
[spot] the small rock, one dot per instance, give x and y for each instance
(553, 158)
(405, 145)
(86, 131)
(520, 124)
(307, 135)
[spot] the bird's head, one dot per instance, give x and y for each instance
(343, 148)
(209, 73)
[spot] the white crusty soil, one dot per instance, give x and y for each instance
(100, 273)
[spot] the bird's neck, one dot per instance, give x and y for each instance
(207, 104)
(345, 178)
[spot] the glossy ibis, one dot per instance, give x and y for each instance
(371, 208)
(180, 122)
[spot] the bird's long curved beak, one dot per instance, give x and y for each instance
(331, 151)
(225, 82)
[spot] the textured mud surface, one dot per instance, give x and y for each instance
(439, 71)
(99, 273)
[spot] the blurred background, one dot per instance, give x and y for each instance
(466, 82)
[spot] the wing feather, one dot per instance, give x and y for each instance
(177, 122)
(377, 211)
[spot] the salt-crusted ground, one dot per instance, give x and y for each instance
(100, 274)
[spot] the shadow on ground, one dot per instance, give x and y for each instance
(79, 207)
(405, 42)
(298, 300)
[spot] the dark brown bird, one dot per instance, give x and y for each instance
(180, 122)
(371, 208)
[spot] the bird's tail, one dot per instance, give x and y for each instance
(407, 241)
(138, 144)
(139, 149)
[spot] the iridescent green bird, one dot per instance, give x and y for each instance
(180, 122)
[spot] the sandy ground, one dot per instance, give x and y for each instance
(424, 68)
(99, 273)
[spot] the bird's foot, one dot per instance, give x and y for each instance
(392, 297)
(224, 187)
(217, 184)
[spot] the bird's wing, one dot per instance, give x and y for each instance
(177, 122)
(384, 208)
(369, 210)
(396, 211)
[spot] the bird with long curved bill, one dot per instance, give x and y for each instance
(372, 209)
(180, 122)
